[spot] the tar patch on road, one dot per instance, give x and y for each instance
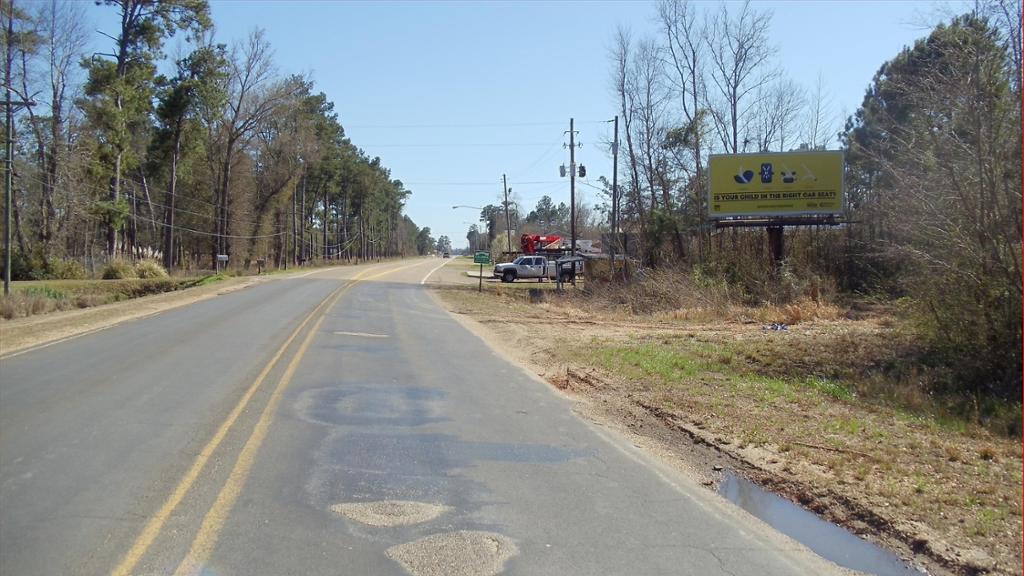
(390, 512)
(463, 553)
(360, 406)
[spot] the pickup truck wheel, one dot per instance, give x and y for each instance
(508, 276)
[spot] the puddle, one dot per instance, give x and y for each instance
(824, 538)
(463, 553)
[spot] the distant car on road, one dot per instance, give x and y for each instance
(446, 255)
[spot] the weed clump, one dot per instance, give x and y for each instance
(150, 269)
(118, 270)
(65, 270)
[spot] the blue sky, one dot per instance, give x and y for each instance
(451, 95)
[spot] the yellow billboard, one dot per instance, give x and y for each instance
(776, 184)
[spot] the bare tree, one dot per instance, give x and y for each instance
(821, 122)
(621, 55)
(1007, 16)
(47, 73)
(254, 96)
(649, 96)
(740, 54)
(778, 110)
(685, 40)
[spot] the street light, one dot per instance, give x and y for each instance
(462, 206)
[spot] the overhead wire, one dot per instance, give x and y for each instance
(471, 125)
(85, 206)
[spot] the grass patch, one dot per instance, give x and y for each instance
(205, 280)
(672, 360)
(649, 360)
(41, 297)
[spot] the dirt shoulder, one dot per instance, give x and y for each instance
(773, 406)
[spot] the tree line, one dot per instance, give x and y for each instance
(933, 172)
(223, 154)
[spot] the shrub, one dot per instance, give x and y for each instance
(118, 270)
(65, 270)
(8, 307)
(150, 269)
(25, 267)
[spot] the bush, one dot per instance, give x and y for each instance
(150, 269)
(65, 270)
(25, 267)
(118, 270)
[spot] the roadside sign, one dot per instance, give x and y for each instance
(222, 257)
(776, 184)
(482, 258)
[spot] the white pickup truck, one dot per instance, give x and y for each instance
(527, 267)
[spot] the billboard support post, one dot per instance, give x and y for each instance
(776, 246)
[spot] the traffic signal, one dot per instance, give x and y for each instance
(583, 171)
(561, 170)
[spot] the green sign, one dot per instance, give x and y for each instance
(482, 258)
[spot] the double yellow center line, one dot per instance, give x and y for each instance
(215, 518)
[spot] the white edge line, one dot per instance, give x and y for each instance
(311, 272)
(424, 281)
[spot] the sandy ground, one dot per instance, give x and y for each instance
(917, 489)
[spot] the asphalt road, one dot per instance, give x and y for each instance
(338, 423)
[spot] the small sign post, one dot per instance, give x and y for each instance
(221, 258)
(481, 258)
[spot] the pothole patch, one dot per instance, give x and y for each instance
(361, 334)
(462, 553)
(389, 512)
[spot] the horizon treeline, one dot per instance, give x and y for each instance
(133, 153)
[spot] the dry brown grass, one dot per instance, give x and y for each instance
(20, 305)
(45, 296)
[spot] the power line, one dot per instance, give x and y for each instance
(459, 145)
(468, 125)
(436, 126)
(483, 183)
(85, 214)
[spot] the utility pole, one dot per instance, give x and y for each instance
(295, 244)
(572, 188)
(615, 197)
(508, 221)
(8, 173)
(9, 156)
(302, 218)
(324, 223)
